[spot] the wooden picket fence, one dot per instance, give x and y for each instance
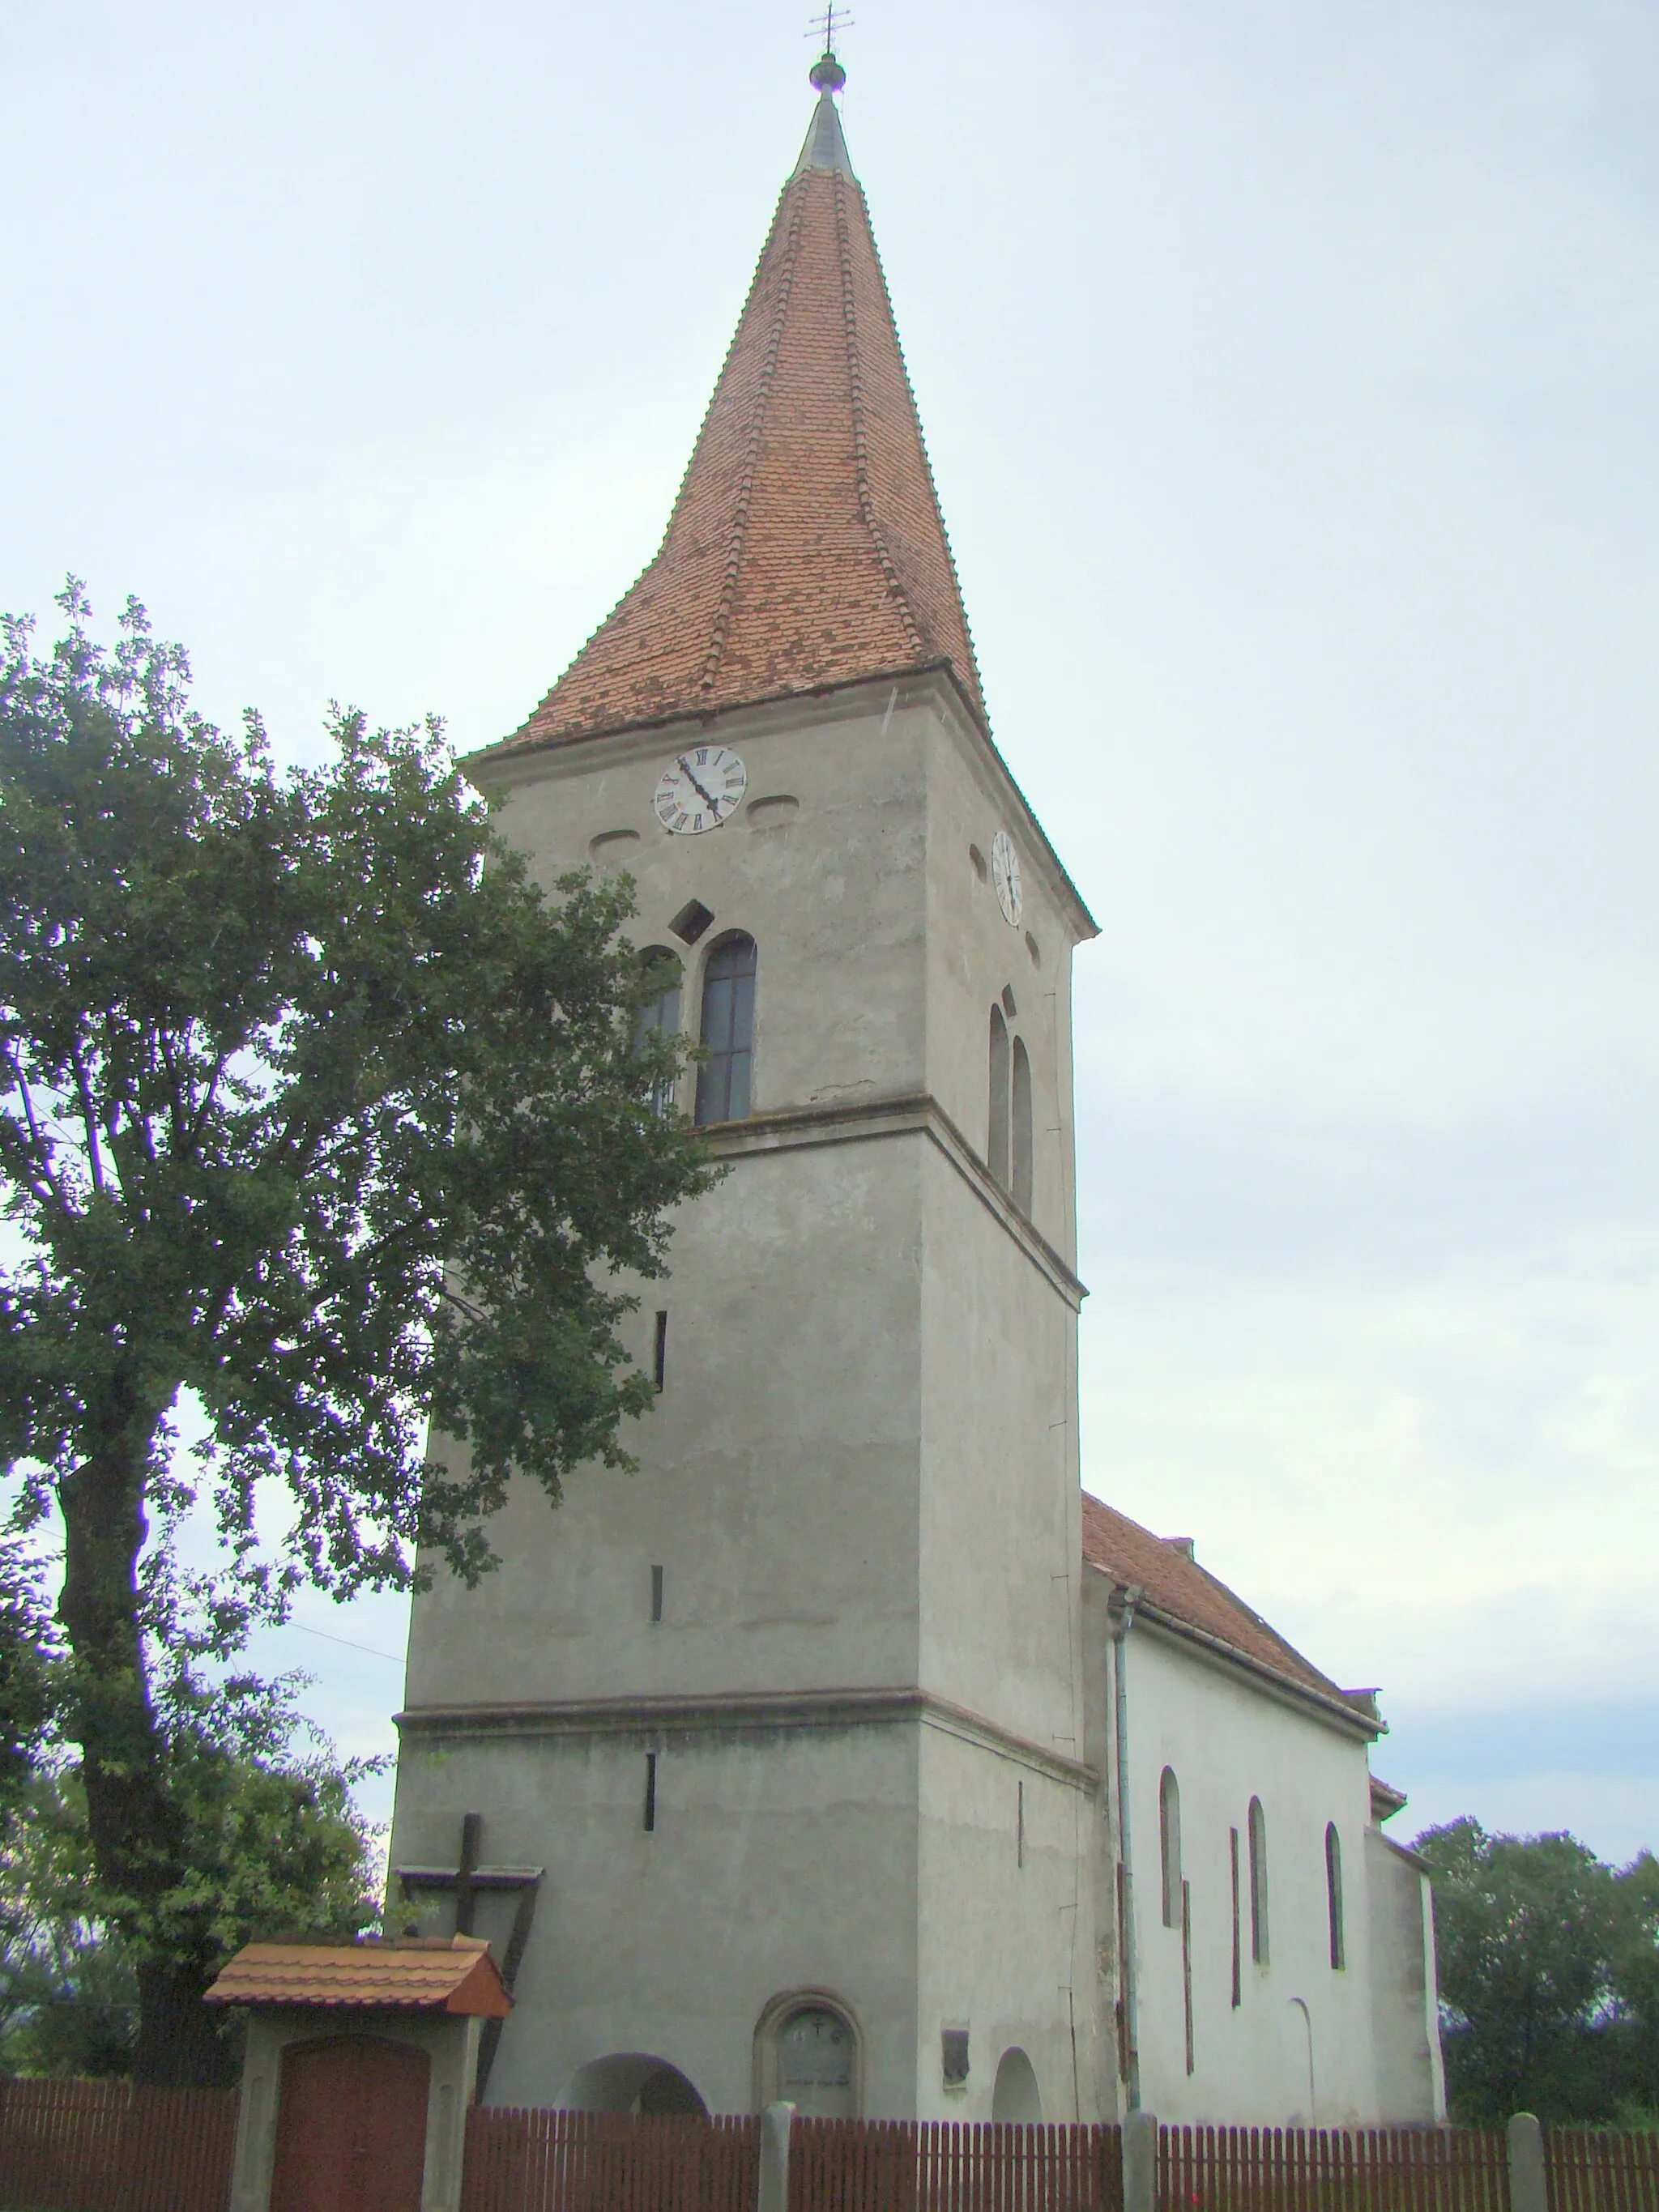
(1588, 2171)
(108, 2146)
(543, 2161)
(1333, 2169)
(546, 2161)
(952, 2166)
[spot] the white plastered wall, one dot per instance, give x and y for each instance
(1229, 1739)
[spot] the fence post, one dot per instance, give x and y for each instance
(774, 2158)
(1140, 2162)
(1528, 2192)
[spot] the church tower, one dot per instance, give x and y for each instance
(775, 1746)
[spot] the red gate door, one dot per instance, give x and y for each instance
(350, 2126)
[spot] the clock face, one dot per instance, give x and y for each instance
(698, 789)
(1005, 874)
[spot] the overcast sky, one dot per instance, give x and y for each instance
(1290, 377)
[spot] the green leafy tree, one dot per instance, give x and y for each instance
(277, 1848)
(1635, 1989)
(274, 1842)
(1527, 1929)
(27, 1648)
(315, 1108)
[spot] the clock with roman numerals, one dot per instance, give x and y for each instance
(698, 789)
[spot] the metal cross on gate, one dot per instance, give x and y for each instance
(467, 1879)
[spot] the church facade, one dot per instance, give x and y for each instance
(792, 1762)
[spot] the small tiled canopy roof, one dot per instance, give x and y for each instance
(807, 549)
(436, 1976)
(1175, 1586)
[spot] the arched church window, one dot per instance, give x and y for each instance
(728, 1029)
(660, 1013)
(807, 2053)
(1168, 1843)
(1258, 1844)
(996, 1147)
(1021, 1130)
(1333, 1895)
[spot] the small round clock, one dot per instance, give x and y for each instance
(698, 789)
(1005, 874)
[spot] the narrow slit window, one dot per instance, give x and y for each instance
(650, 1789)
(1022, 1126)
(996, 1142)
(1258, 1838)
(1238, 1945)
(728, 1030)
(656, 1594)
(1019, 1830)
(1334, 1896)
(659, 1353)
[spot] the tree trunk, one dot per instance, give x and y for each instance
(136, 1830)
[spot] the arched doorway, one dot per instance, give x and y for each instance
(350, 2126)
(1016, 2098)
(632, 2082)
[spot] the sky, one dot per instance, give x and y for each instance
(1290, 375)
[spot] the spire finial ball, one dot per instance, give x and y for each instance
(826, 74)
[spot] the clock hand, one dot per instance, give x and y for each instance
(691, 777)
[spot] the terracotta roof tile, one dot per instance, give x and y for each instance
(807, 547)
(1175, 1584)
(455, 1977)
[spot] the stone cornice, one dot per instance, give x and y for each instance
(889, 1114)
(741, 1712)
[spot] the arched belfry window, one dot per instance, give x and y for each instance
(660, 1014)
(728, 1029)
(1333, 1895)
(1258, 1840)
(1021, 1128)
(996, 1146)
(1168, 1844)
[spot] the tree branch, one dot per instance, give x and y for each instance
(54, 1189)
(88, 1122)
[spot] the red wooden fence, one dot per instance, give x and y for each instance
(543, 2161)
(1588, 2171)
(107, 2147)
(1321, 2170)
(951, 2165)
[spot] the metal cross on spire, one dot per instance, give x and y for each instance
(827, 73)
(825, 24)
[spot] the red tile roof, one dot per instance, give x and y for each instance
(1176, 1586)
(807, 547)
(453, 1976)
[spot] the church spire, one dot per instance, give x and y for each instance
(807, 549)
(825, 146)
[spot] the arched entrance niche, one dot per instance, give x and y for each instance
(1016, 2098)
(809, 2052)
(631, 2082)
